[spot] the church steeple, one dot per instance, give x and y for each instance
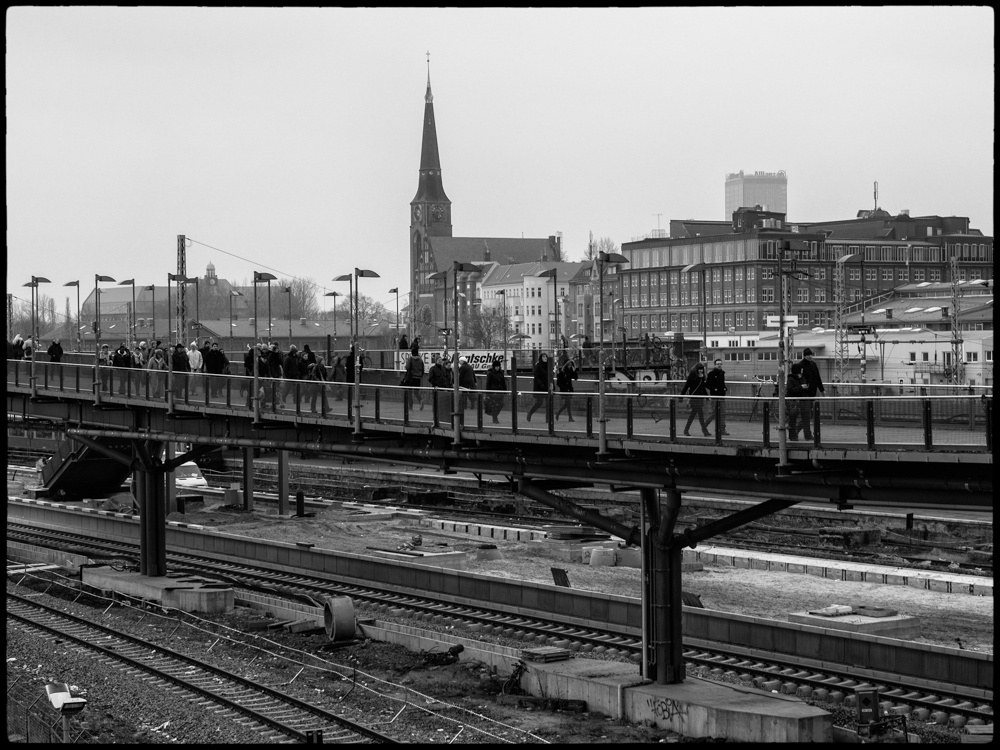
(430, 188)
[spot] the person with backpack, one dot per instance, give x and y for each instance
(414, 374)
(564, 381)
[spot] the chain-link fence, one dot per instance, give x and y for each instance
(31, 718)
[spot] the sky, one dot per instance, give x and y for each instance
(288, 140)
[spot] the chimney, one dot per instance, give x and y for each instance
(944, 313)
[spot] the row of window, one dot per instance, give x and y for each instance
(743, 320)
(755, 249)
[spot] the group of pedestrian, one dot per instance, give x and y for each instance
(565, 375)
(801, 386)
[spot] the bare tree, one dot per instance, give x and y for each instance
(605, 244)
(488, 326)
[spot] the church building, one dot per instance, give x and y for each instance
(434, 249)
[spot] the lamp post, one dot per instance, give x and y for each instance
(350, 301)
(79, 324)
(288, 291)
(131, 282)
(368, 274)
(602, 258)
(234, 293)
(503, 293)
(395, 338)
(334, 295)
(35, 281)
(97, 309)
(197, 304)
(259, 277)
(152, 335)
(703, 267)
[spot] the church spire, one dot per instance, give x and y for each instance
(430, 188)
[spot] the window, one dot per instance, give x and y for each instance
(767, 294)
(854, 274)
(729, 321)
(675, 321)
(802, 294)
(918, 274)
(716, 321)
(913, 356)
(729, 296)
(727, 274)
(925, 356)
(751, 321)
(819, 295)
(935, 274)
(901, 274)
(751, 295)
(739, 294)
(716, 274)
(767, 273)
(972, 356)
(750, 274)
(767, 356)
(684, 323)
(886, 275)
(871, 274)
(739, 273)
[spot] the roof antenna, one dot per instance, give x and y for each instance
(876, 182)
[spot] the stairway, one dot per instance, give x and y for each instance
(77, 471)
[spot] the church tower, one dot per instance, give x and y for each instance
(430, 209)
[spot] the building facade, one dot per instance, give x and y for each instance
(723, 279)
(767, 189)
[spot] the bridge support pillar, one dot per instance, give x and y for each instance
(248, 479)
(282, 483)
(665, 662)
(151, 481)
(168, 480)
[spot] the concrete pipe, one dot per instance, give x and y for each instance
(338, 618)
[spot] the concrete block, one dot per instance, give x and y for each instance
(795, 568)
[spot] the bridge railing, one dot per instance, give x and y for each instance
(750, 415)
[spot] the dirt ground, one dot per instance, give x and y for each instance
(945, 618)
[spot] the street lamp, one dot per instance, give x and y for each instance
(97, 309)
(368, 274)
(234, 293)
(288, 291)
(602, 258)
(35, 281)
(503, 293)
(350, 301)
(259, 277)
(551, 273)
(131, 282)
(79, 324)
(395, 338)
(197, 304)
(334, 295)
(152, 335)
(703, 267)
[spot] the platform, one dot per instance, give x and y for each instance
(188, 593)
(694, 708)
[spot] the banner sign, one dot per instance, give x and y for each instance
(480, 359)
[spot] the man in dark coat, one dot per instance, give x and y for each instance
(290, 373)
(716, 384)
(466, 382)
(564, 381)
(812, 384)
(215, 365)
(181, 367)
(440, 375)
(274, 361)
(55, 351)
(541, 384)
(122, 359)
(497, 384)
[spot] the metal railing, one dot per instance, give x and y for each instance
(924, 419)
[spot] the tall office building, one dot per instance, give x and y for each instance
(769, 190)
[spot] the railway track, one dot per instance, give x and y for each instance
(920, 699)
(274, 714)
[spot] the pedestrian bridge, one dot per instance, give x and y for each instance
(925, 449)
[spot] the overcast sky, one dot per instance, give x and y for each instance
(289, 139)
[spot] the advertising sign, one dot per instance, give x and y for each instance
(480, 359)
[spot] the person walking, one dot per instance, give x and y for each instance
(17, 347)
(415, 374)
(795, 392)
(290, 374)
(264, 386)
(403, 343)
(339, 376)
(181, 366)
(216, 363)
(564, 381)
(540, 384)
(812, 385)
(196, 362)
(122, 360)
(696, 387)
(716, 384)
(316, 377)
(138, 365)
(157, 368)
(249, 359)
(466, 382)
(440, 375)
(55, 351)
(496, 384)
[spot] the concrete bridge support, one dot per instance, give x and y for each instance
(664, 655)
(248, 479)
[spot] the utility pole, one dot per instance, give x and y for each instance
(957, 358)
(181, 308)
(10, 317)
